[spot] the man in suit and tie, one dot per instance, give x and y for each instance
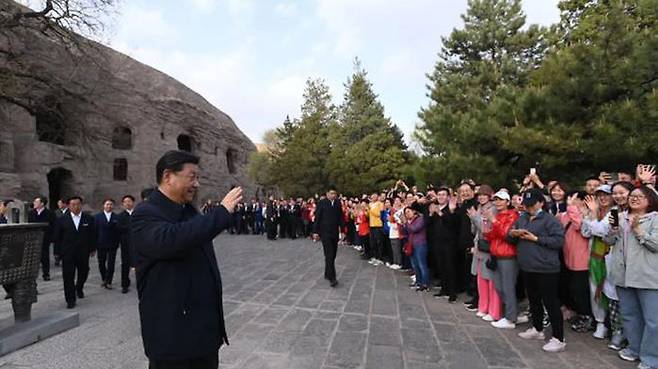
(127, 255)
(75, 237)
(40, 214)
(62, 209)
(107, 226)
(328, 222)
(178, 281)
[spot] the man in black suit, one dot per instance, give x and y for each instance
(40, 214)
(127, 255)
(107, 225)
(328, 221)
(178, 281)
(62, 209)
(75, 237)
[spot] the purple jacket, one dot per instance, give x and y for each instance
(416, 231)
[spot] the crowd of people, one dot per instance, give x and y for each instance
(586, 255)
(77, 236)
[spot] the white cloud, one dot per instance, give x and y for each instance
(286, 9)
(204, 5)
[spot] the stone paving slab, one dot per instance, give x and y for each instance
(281, 313)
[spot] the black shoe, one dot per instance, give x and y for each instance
(109, 286)
(80, 294)
(333, 283)
(471, 307)
(46, 277)
(422, 289)
(470, 302)
(70, 305)
(452, 299)
(125, 290)
(441, 293)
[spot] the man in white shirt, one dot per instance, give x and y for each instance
(75, 238)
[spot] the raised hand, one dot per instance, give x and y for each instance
(572, 199)
(592, 205)
(471, 212)
(232, 199)
(646, 173)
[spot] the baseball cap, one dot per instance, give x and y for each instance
(533, 196)
(502, 195)
(604, 188)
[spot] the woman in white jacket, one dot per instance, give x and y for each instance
(634, 270)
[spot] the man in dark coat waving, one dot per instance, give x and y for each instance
(328, 222)
(178, 281)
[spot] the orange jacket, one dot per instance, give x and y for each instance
(499, 247)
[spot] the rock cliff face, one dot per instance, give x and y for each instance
(91, 121)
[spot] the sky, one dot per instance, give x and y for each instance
(251, 58)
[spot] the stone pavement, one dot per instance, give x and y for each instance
(282, 314)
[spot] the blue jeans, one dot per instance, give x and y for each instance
(640, 319)
(419, 264)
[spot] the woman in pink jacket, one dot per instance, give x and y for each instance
(576, 258)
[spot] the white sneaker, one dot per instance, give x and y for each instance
(388, 264)
(554, 345)
(522, 319)
(503, 324)
(371, 261)
(601, 331)
(532, 334)
(413, 278)
(378, 262)
(480, 314)
(396, 267)
(488, 318)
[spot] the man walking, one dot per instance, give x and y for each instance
(178, 281)
(328, 221)
(40, 214)
(75, 238)
(107, 224)
(127, 255)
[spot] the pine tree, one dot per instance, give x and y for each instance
(368, 152)
(487, 59)
(300, 168)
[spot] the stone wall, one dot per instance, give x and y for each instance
(87, 95)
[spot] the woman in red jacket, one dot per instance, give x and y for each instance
(504, 262)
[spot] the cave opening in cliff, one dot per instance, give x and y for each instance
(122, 138)
(50, 125)
(120, 170)
(231, 159)
(185, 143)
(60, 185)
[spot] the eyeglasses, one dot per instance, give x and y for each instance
(637, 197)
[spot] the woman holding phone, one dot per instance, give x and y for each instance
(633, 269)
(539, 237)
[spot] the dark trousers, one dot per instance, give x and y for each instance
(206, 362)
(543, 291)
(447, 256)
(271, 230)
(45, 259)
(330, 246)
(126, 257)
(70, 264)
(106, 259)
(579, 300)
(377, 242)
